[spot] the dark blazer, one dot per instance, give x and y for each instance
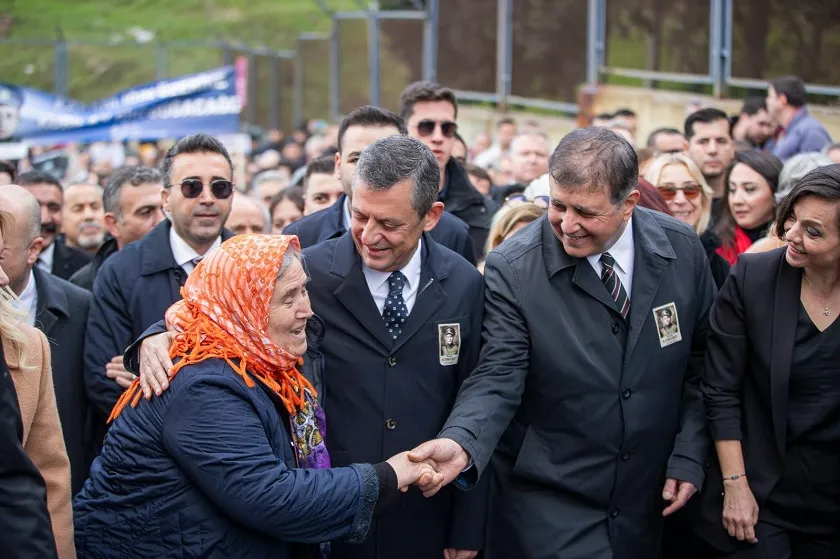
(745, 380)
(583, 412)
(132, 291)
(62, 316)
(25, 526)
(327, 224)
(67, 260)
(468, 204)
(85, 276)
(385, 397)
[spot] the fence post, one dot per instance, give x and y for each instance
(595, 40)
(251, 109)
(373, 51)
(504, 48)
(430, 40)
(298, 88)
(60, 70)
(227, 55)
(274, 93)
(161, 61)
(335, 71)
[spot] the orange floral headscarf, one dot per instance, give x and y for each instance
(224, 315)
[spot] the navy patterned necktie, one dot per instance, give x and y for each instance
(395, 311)
(613, 284)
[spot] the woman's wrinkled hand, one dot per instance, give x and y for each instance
(740, 510)
(155, 363)
(414, 473)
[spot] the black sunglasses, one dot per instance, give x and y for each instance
(220, 188)
(427, 128)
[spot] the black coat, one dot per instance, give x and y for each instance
(62, 315)
(328, 223)
(86, 275)
(717, 263)
(745, 380)
(384, 397)
(584, 414)
(67, 260)
(25, 527)
(466, 203)
(132, 291)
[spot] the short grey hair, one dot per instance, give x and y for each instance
(391, 160)
(797, 167)
(528, 134)
(19, 197)
(133, 175)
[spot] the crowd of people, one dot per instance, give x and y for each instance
(379, 339)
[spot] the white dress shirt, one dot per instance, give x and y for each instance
(45, 259)
(28, 300)
(378, 281)
(623, 253)
(184, 254)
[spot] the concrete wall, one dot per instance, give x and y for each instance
(655, 108)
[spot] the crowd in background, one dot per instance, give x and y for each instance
(75, 207)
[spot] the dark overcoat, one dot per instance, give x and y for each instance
(584, 413)
(62, 315)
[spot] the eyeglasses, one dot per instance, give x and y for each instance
(690, 191)
(517, 199)
(192, 188)
(427, 128)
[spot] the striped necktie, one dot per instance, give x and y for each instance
(613, 284)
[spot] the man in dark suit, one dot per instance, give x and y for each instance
(56, 257)
(25, 527)
(389, 294)
(135, 286)
(60, 310)
(592, 417)
(360, 128)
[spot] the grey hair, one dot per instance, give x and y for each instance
(797, 167)
(27, 203)
(528, 134)
(269, 176)
(391, 160)
(293, 254)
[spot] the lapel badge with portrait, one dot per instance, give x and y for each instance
(449, 343)
(667, 324)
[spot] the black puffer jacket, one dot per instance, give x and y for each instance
(466, 203)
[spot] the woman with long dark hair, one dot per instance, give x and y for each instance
(749, 202)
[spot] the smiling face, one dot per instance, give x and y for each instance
(585, 220)
(751, 199)
(813, 234)
(685, 208)
(289, 309)
(386, 227)
(198, 221)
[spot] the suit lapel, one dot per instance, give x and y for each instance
(785, 311)
(652, 251)
(586, 278)
(50, 301)
(353, 291)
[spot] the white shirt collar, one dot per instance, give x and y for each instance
(28, 300)
(184, 253)
(411, 271)
(345, 214)
(623, 253)
(45, 259)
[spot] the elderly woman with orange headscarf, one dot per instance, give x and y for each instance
(231, 460)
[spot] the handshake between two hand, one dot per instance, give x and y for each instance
(430, 466)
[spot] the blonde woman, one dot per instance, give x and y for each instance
(27, 356)
(689, 199)
(511, 218)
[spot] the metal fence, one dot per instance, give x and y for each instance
(529, 53)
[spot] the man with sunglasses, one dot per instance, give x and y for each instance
(136, 285)
(429, 110)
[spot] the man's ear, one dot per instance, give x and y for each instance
(432, 218)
